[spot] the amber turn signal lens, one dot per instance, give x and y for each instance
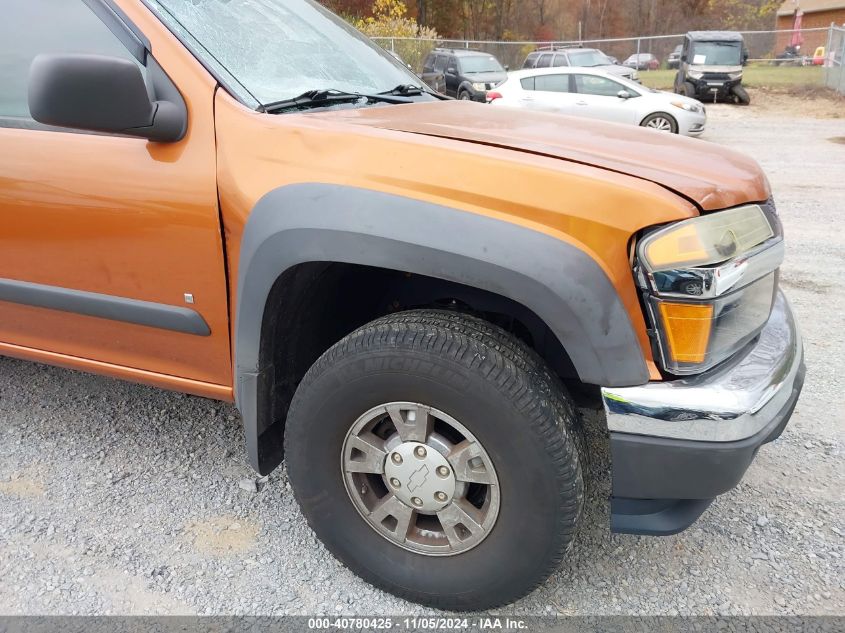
(687, 328)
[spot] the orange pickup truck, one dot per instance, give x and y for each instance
(247, 200)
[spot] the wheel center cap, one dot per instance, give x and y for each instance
(420, 476)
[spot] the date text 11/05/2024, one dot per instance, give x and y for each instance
(417, 623)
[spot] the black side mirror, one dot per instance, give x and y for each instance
(451, 71)
(102, 94)
(507, 68)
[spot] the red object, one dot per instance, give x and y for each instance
(492, 96)
(797, 36)
(653, 64)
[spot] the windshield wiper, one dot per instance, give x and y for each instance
(404, 90)
(323, 98)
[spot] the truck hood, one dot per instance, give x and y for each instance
(707, 174)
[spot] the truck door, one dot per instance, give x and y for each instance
(111, 250)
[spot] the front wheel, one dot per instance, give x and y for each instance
(661, 122)
(741, 96)
(464, 96)
(435, 455)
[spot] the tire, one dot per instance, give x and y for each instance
(688, 90)
(741, 95)
(463, 95)
(469, 371)
(661, 121)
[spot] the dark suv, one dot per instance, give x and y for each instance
(464, 74)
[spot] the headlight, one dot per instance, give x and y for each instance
(695, 74)
(735, 75)
(689, 107)
(479, 87)
(706, 240)
(711, 283)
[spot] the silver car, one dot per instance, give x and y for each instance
(596, 94)
(580, 57)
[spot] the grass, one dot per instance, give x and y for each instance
(763, 76)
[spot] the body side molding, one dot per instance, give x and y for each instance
(560, 283)
(93, 304)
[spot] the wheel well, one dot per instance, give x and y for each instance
(313, 305)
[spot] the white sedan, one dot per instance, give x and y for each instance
(599, 95)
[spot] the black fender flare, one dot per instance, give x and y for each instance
(314, 222)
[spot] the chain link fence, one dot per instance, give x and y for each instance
(765, 48)
(834, 71)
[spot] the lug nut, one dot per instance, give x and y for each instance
(440, 496)
(416, 501)
(395, 482)
(397, 458)
(419, 451)
(442, 471)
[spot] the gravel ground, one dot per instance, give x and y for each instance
(122, 499)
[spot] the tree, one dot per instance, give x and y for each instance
(389, 19)
(559, 19)
(350, 9)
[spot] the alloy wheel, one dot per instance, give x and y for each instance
(420, 479)
(660, 123)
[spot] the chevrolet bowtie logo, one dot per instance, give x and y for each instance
(418, 478)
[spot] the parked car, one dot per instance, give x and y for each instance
(674, 59)
(394, 288)
(642, 61)
(578, 57)
(599, 95)
(466, 74)
(712, 66)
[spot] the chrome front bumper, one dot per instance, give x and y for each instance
(731, 402)
(677, 445)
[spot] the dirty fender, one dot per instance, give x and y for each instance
(560, 283)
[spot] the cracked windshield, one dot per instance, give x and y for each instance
(272, 50)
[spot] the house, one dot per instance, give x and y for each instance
(817, 14)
